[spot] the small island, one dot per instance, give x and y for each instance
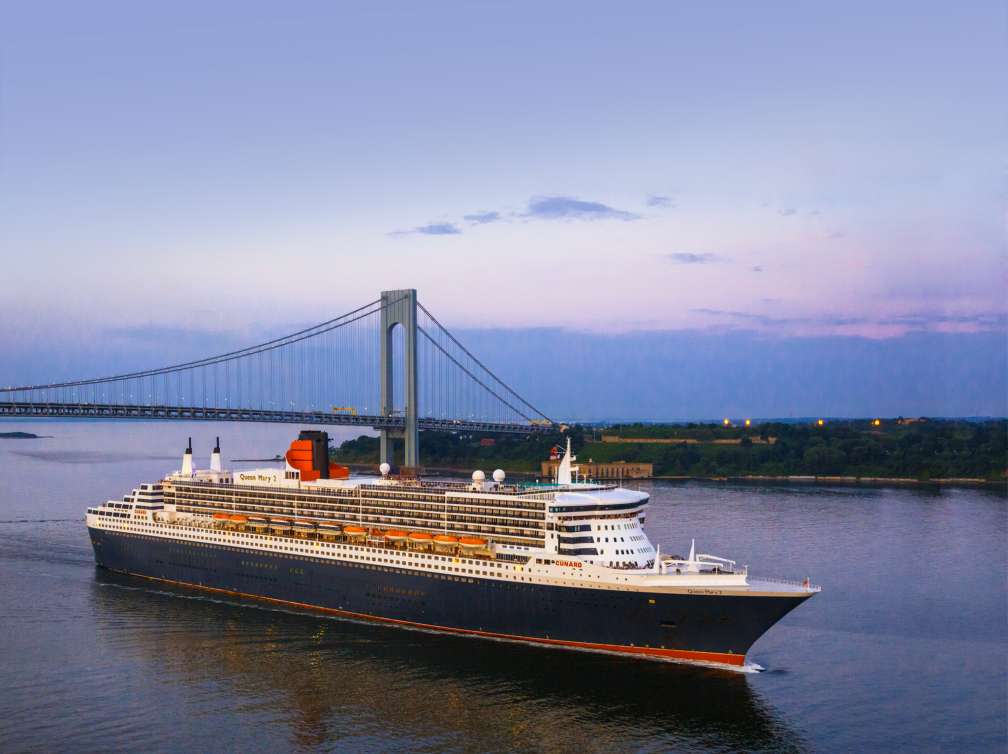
(19, 436)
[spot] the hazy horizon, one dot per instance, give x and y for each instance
(663, 375)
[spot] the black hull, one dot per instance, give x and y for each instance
(711, 628)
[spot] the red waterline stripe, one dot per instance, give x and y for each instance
(672, 654)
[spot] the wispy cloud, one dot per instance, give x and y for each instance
(659, 201)
(569, 208)
(983, 320)
(757, 268)
(787, 211)
(745, 316)
(439, 229)
(689, 257)
(539, 208)
(431, 229)
(914, 321)
(482, 218)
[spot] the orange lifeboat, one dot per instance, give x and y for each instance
(420, 539)
(445, 540)
(354, 531)
(239, 519)
(395, 535)
(329, 529)
(472, 543)
(280, 525)
(221, 517)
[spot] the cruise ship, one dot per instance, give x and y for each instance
(563, 564)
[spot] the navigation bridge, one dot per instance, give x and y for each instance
(389, 365)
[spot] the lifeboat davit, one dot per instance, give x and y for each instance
(472, 543)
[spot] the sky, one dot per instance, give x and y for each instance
(770, 179)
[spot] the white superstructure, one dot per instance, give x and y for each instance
(568, 533)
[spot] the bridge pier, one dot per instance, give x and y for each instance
(399, 307)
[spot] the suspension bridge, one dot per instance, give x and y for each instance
(389, 365)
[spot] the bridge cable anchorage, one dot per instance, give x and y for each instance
(481, 364)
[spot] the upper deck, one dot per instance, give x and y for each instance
(571, 533)
(511, 515)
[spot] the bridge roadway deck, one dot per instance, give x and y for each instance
(208, 413)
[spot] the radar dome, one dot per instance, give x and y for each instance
(384, 469)
(478, 476)
(499, 475)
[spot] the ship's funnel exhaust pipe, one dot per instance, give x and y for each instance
(187, 467)
(215, 459)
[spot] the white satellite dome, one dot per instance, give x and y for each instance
(478, 476)
(499, 475)
(384, 469)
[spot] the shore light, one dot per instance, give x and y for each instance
(748, 422)
(820, 422)
(726, 422)
(877, 423)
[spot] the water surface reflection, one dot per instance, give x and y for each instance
(336, 684)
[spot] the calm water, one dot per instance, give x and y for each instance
(906, 649)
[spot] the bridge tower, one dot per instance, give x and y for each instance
(400, 308)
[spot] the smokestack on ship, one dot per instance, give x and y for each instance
(187, 467)
(215, 459)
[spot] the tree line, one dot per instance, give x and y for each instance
(923, 449)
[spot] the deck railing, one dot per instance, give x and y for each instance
(805, 584)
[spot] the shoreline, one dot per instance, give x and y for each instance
(857, 481)
(796, 479)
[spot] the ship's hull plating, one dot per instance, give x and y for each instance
(716, 628)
